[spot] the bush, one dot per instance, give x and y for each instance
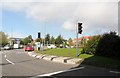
(90, 46)
(109, 45)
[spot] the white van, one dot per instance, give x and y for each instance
(16, 46)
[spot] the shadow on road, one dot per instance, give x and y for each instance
(5, 63)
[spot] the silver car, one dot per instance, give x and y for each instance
(8, 47)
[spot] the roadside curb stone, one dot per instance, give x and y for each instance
(41, 56)
(58, 59)
(61, 59)
(49, 57)
(74, 61)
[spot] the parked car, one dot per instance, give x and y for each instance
(8, 47)
(21, 46)
(28, 48)
(51, 46)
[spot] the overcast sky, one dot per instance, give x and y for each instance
(23, 18)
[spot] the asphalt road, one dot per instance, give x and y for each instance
(19, 63)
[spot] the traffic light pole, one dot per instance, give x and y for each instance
(76, 44)
(76, 39)
(78, 31)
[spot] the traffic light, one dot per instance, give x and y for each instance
(39, 35)
(79, 28)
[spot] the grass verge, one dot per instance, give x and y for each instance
(88, 59)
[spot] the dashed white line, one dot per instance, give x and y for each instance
(10, 62)
(50, 74)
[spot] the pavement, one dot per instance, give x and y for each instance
(58, 59)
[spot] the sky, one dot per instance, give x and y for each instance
(58, 17)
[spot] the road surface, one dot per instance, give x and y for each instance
(18, 63)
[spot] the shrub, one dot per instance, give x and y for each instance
(90, 46)
(109, 45)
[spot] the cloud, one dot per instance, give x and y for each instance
(94, 15)
(69, 25)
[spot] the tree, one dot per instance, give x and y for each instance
(22, 42)
(38, 40)
(82, 42)
(27, 40)
(47, 39)
(64, 42)
(3, 39)
(109, 45)
(59, 40)
(52, 40)
(70, 41)
(30, 38)
(91, 45)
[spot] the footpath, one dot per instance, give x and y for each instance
(58, 59)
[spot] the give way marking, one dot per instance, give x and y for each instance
(8, 60)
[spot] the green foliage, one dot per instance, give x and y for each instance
(109, 45)
(47, 39)
(71, 52)
(89, 59)
(38, 40)
(52, 40)
(82, 42)
(3, 39)
(70, 41)
(27, 40)
(90, 46)
(30, 38)
(22, 42)
(59, 40)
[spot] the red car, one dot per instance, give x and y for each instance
(28, 48)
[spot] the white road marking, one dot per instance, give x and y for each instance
(10, 62)
(5, 56)
(115, 72)
(49, 74)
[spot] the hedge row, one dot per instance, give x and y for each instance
(107, 45)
